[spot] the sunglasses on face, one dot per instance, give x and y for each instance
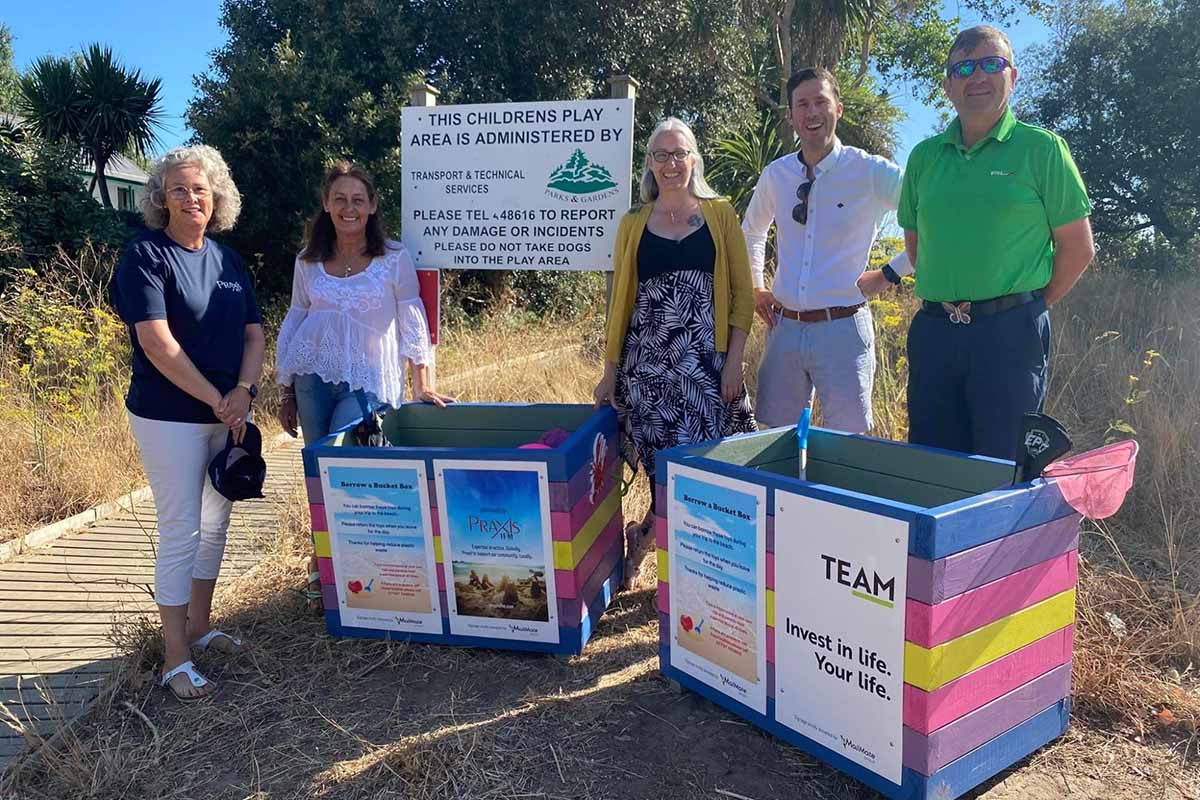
(966, 68)
(800, 212)
(663, 156)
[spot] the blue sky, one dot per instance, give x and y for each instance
(174, 42)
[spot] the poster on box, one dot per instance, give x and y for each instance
(539, 185)
(717, 548)
(840, 585)
(497, 551)
(381, 542)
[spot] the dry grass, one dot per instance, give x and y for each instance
(305, 716)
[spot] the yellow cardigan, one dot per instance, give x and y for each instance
(733, 288)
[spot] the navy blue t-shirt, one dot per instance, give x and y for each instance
(207, 300)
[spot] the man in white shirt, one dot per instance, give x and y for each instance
(827, 202)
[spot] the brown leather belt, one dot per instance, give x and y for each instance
(820, 314)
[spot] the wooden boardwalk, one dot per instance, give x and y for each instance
(58, 604)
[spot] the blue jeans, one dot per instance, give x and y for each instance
(969, 385)
(325, 407)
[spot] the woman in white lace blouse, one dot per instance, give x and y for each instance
(356, 322)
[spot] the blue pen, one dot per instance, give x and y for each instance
(802, 426)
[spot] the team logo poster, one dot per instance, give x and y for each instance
(718, 549)
(841, 578)
(497, 550)
(381, 537)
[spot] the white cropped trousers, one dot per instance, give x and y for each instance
(192, 517)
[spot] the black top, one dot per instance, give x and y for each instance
(658, 256)
(207, 299)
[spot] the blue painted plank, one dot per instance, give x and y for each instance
(863, 502)
(577, 450)
(972, 521)
(598, 605)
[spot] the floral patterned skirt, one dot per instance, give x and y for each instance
(669, 378)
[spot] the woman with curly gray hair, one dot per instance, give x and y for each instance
(198, 345)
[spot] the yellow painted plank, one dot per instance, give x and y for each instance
(567, 555)
(771, 608)
(931, 668)
(664, 568)
(321, 544)
(437, 549)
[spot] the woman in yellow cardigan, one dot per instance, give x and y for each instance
(682, 305)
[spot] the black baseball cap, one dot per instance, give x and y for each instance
(238, 471)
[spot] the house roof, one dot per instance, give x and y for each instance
(118, 166)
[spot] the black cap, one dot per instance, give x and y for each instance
(238, 471)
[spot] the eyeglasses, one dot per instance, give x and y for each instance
(663, 156)
(966, 68)
(182, 193)
(800, 212)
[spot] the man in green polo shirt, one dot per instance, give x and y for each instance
(995, 219)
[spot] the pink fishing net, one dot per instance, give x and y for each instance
(1095, 482)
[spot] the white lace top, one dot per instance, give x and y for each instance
(359, 329)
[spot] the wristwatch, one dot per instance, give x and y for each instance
(890, 274)
(251, 389)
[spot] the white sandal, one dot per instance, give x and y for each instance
(205, 641)
(197, 680)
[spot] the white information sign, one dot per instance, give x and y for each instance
(717, 556)
(516, 185)
(381, 537)
(497, 550)
(840, 584)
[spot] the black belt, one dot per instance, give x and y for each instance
(960, 312)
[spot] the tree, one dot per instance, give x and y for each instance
(10, 82)
(94, 103)
(1113, 83)
(300, 84)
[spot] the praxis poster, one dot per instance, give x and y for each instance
(497, 550)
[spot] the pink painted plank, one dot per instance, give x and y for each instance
(928, 711)
(313, 488)
(660, 531)
(929, 753)
(564, 525)
(662, 600)
(435, 519)
(928, 625)
(319, 523)
(568, 583)
(325, 567)
(934, 581)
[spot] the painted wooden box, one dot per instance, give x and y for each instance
(905, 614)
(467, 529)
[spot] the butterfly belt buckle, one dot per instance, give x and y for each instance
(960, 314)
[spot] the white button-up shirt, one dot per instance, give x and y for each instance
(820, 261)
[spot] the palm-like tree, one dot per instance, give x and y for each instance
(95, 103)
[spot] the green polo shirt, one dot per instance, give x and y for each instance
(984, 216)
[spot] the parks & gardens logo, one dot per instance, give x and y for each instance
(580, 181)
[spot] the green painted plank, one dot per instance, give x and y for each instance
(532, 417)
(877, 484)
(465, 438)
(754, 450)
(964, 473)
